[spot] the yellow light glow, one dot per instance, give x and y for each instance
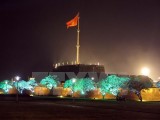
(145, 71)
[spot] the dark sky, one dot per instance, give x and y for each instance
(124, 35)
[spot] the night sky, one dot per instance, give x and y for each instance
(123, 35)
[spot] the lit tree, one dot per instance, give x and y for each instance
(89, 84)
(83, 85)
(137, 83)
(5, 85)
(31, 84)
(22, 85)
(49, 81)
(103, 87)
(112, 84)
(68, 84)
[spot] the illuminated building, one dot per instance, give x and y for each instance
(81, 68)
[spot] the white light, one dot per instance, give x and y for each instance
(17, 78)
(31, 78)
(92, 78)
(145, 71)
(56, 66)
(73, 80)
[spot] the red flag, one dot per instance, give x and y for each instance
(73, 22)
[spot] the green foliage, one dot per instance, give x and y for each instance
(21, 85)
(103, 86)
(31, 84)
(49, 81)
(5, 85)
(83, 85)
(112, 84)
(68, 84)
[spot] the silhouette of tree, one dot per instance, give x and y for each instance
(137, 83)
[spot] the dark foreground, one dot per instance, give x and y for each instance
(82, 110)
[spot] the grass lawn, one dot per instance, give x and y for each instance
(78, 109)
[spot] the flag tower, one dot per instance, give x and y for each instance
(72, 23)
(78, 45)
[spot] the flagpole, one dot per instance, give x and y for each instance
(78, 45)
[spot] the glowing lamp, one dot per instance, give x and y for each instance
(92, 78)
(145, 71)
(73, 80)
(17, 78)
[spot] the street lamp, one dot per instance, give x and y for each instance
(74, 80)
(92, 78)
(145, 71)
(17, 79)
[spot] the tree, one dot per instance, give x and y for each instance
(69, 84)
(112, 84)
(49, 81)
(82, 85)
(158, 84)
(21, 85)
(31, 84)
(5, 85)
(103, 87)
(137, 83)
(25, 85)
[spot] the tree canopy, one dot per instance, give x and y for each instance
(158, 84)
(137, 83)
(83, 85)
(112, 84)
(5, 85)
(49, 81)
